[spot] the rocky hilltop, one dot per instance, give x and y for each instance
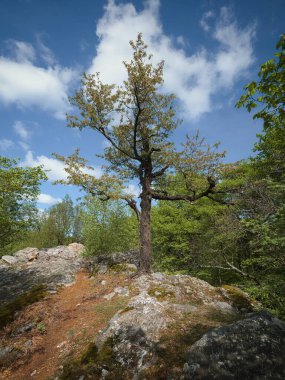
(110, 324)
(30, 267)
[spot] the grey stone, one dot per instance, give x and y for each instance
(9, 259)
(51, 267)
(22, 329)
(109, 296)
(122, 291)
(252, 348)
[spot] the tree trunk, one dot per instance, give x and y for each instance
(145, 234)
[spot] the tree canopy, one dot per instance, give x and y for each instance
(19, 188)
(138, 119)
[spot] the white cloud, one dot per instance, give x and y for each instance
(21, 130)
(48, 199)
(45, 52)
(204, 22)
(195, 79)
(55, 168)
(23, 51)
(5, 144)
(25, 84)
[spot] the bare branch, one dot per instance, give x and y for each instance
(133, 205)
(160, 172)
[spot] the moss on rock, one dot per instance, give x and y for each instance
(9, 309)
(239, 299)
(160, 293)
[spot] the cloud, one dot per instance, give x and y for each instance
(204, 22)
(55, 168)
(22, 51)
(196, 78)
(45, 52)
(26, 84)
(48, 199)
(5, 144)
(21, 130)
(24, 145)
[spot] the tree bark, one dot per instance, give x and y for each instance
(145, 234)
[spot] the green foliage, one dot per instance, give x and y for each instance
(61, 224)
(138, 119)
(108, 227)
(267, 96)
(19, 188)
(265, 227)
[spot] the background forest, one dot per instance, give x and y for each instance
(238, 239)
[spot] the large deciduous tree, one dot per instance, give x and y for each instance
(137, 119)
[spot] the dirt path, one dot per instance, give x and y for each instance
(62, 326)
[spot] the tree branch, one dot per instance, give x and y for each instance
(159, 172)
(133, 205)
(159, 195)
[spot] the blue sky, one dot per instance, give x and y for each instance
(211, 50)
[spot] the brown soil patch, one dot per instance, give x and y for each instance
(63, 325)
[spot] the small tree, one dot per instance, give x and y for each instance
(137, 119)
(19, 188)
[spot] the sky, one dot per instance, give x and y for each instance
(211, 49)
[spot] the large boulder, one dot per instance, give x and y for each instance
(180, 327)
(252, 348)
(31, 267)
(117, 262)
(164, 305)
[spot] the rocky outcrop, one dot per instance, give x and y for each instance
(180, 327)
(138, 336)
(31, 267)
(253, 348)
(115, 262)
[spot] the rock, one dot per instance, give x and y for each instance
(27, 254)
(104, 373)
(33, 255)
(9, 259)
(22, 329)
(223, 306)
(149, 337)
(103, 269)
(31, 267)
(122, 291)
(101, 264)
(8, 355)
(60, 345)
(76, 247)
(109, 296)
(252, 348)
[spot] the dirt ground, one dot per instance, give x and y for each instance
(63, 324)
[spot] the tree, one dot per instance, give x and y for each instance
(266, 227)
(268, 96)
(137, 119)
(19, 188)
(108, 227)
